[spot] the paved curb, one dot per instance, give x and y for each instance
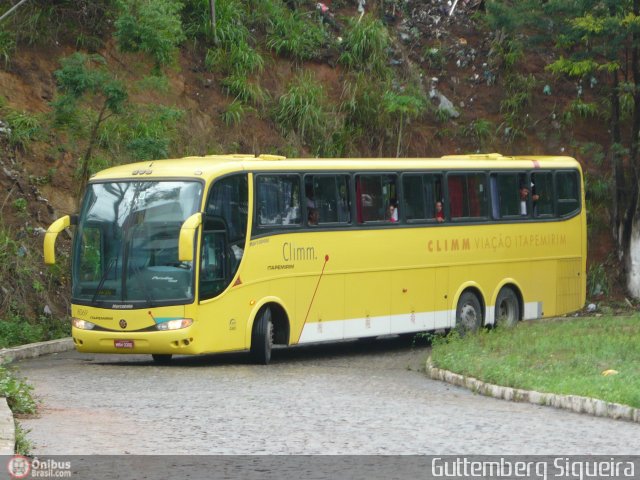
(33, 350)
(7, 355)
(591, 406)
(7, 429)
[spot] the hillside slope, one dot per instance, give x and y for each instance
(512, 109)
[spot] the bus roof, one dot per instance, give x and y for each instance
(214, 165)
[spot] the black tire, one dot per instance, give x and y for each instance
(262, 338)
(162, 358)
(468, 314)
(507, 310)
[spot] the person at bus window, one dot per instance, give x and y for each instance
(392, 213)
(308, 191)
(439, 212)
(313, 217)
(534, 198)
(524, 199)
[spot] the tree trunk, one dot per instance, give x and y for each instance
(618, 197)
(631, 223)
(212, 7)
(84, 168)
(399, 135)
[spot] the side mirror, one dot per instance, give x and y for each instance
(50, 238)
(187, 236)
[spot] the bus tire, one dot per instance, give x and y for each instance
(507, 308)
(162, 358)
(262, 338)
(468, 314)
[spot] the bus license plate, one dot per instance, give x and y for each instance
(123, 343)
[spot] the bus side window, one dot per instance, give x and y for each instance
(327, 197)
(505, 201)
(278, 200)
(229, 199)
(375, 193)
(467, 195)
(421, 193)
(542, 188)
(568, 193)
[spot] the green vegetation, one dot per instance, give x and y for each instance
(154, 28)
(289, 35)
(7, 46)
(402, 107)
(481, 131)
(234, 113)
(20, 401)
(86, 79)
(365, 46)
(24, 127)
(598, 284)
(17, 392)
(23, 444)
(21, 262)
(301, 110)
(555, 356)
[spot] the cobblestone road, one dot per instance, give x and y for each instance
(348, 398)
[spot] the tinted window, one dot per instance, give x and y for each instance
(542, 192)
(568, 192)
(229, 199)
(327, 199)
(507, 202)
(467, 195)
(421, 192)
(374, 195)
(278, 200)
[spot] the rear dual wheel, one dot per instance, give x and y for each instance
(468, 314)
(507, 308)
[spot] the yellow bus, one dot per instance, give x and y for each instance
(235, 252)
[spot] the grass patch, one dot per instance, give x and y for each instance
(554, 356)
(23, 444)
(17, 392)
(21, 402)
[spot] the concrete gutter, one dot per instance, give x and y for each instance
(575, 403)
(7, 355)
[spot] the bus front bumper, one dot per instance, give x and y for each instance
(177, 342)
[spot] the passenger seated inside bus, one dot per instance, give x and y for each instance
(392, 213)
(313, 216)
(524, 196)
(439, 212)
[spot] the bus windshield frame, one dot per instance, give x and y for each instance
(125, 251)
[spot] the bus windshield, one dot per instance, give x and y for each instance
(126, 246)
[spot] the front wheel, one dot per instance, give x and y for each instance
(507, 308)
(262, 338)
(468, 314)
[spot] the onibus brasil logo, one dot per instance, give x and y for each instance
(20, 467)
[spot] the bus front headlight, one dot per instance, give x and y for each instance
(82, 324)
(176, 324)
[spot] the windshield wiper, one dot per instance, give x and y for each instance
(148, 297)
(111, 263)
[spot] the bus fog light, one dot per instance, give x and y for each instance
(82, 324)
(175, 324)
